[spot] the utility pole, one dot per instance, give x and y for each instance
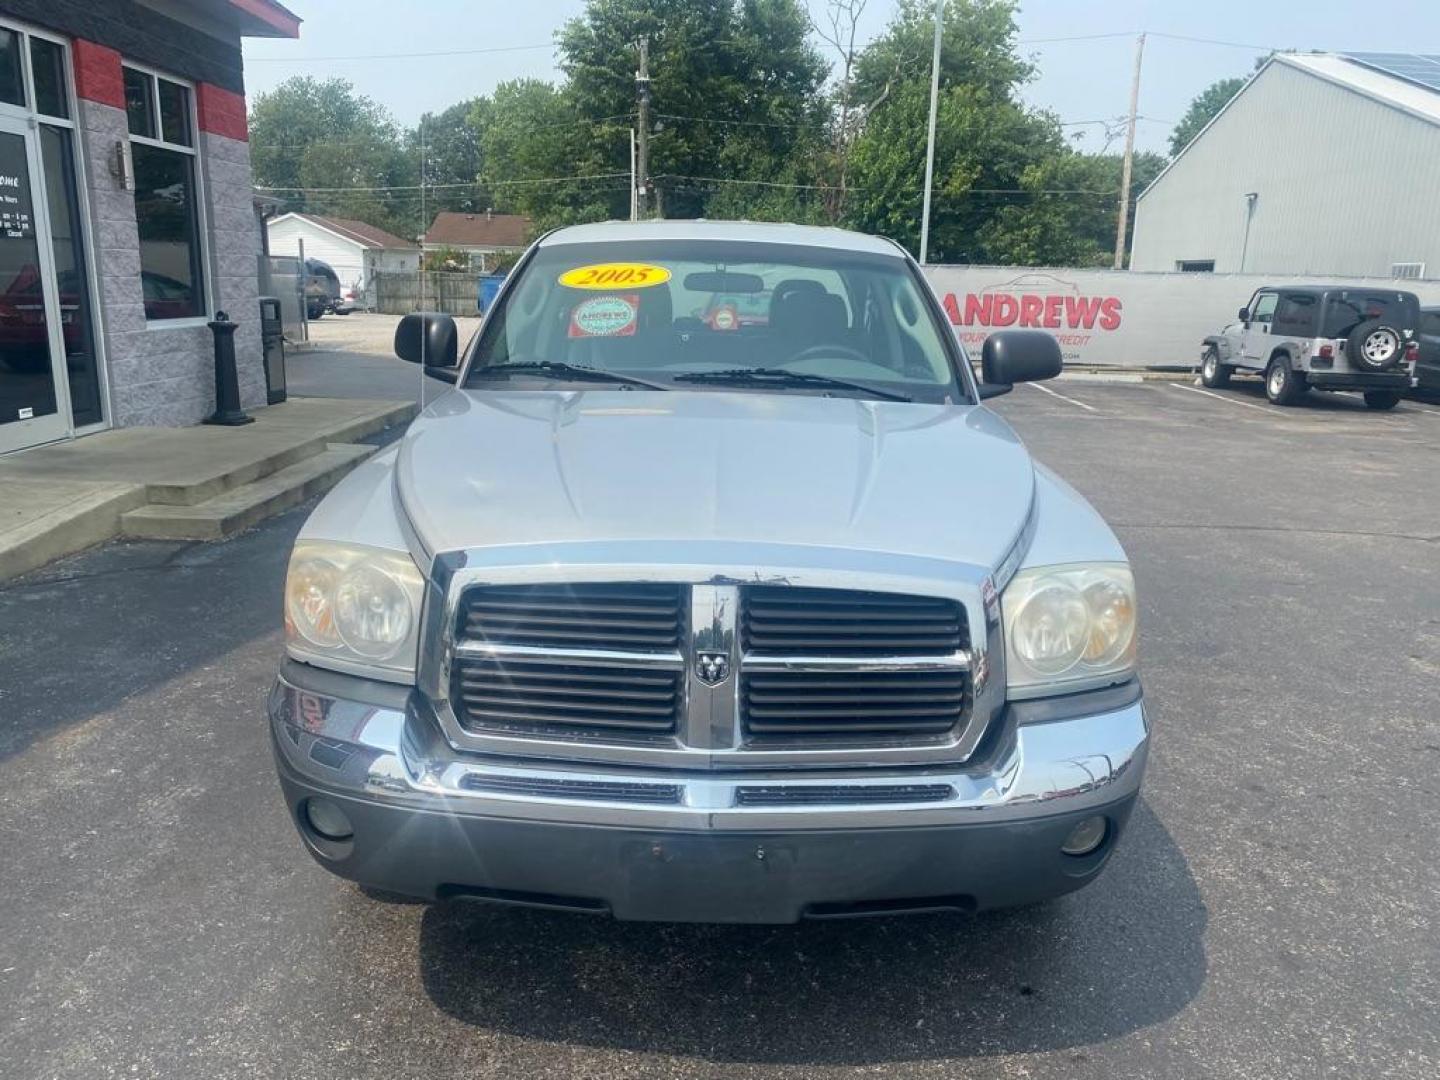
(642, 94)
(634, 208)
(930, 142)
(1124, 220)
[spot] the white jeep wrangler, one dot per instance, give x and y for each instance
(1329, 338)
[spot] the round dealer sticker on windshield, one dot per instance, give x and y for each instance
(611, 275)
(605, 316)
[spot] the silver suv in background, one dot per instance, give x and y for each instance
(1303, 336)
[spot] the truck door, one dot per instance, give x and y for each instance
(1257, 341)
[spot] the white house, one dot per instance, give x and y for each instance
(354, 250)
(1324, 164)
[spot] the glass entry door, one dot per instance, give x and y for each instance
(34, 401)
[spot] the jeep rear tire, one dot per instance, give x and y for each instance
(1213, 373)
(1283, 384)
(1382, 399)
(1373, 346)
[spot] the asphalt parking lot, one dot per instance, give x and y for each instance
(1271, 912)
(353, 356)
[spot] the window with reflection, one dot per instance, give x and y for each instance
(162, 150)
(12, 68)
(47, 72)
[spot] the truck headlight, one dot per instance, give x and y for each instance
(1068, 628)
(349, 606)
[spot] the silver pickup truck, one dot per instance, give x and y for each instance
(678, 615)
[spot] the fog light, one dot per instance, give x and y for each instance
(1086, 837)
(328, 820)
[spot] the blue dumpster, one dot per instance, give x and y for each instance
(489, 289)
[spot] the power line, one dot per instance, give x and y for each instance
(1075, 37)
(438, 187)
(256, 144)
(736, 123)
(908, 187)
(1215, 41)
(392, 56)
(1152, 33)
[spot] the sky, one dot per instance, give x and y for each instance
(1081, 80)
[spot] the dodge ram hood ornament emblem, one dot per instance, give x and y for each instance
(712, 668)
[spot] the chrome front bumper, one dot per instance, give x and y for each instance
(431, 821)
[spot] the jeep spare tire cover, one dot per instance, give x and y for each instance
(1374, 346)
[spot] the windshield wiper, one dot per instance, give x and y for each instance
(554, 369)
(761, 376)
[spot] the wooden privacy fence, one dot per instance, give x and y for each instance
(430, 290)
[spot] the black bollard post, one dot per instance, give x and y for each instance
(227, 380)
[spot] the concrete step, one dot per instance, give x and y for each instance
(41, 520)
(290, 444)
(240, 507)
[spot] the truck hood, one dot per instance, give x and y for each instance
(484, 469)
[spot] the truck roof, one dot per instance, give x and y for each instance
(751, 231)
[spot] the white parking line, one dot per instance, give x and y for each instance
(1220, 397)
(1062, 397)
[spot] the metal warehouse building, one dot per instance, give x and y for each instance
(1322, 164)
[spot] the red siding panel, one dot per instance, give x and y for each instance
(221, 112)
(97, 73)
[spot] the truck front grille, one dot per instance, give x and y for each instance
(833, 622)
(633, 668)
(826, 663)
(801, 704)
(588, 616)
(555, 697)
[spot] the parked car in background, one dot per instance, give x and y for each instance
(677, 622)
(1427, 368)
(1325, 338)
(322, 288)
(351, 298)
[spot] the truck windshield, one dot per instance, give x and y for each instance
(667, 311)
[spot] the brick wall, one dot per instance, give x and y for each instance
(234, 251)
(159, 374)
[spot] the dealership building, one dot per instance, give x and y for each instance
(1324, 164)
(127, 217)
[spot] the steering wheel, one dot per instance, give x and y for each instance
(813, 351)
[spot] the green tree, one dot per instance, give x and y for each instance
(535, 146)
(1067, 215)
(735, 84)
(452, 144)
(309, 137)
(978, 50)
(1201, 111)
(986, 146)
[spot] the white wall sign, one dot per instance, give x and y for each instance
(1116, 318)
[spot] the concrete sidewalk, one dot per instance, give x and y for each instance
(198, 482)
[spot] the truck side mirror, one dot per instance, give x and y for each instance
(431, 338)
(1244, 314)
(1013, 356)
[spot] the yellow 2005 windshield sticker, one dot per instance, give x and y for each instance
(613, 275)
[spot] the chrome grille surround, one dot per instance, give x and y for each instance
(709, 733)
